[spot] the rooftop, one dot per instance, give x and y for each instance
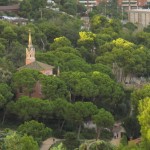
(10, 8)
(139, 10)
(36, 65)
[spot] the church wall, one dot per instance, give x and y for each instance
(37, 92)
(47, 72)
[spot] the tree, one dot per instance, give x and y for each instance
(16, 55)
(86, 89)
(130, 26)
(138, 95)
(86, 39)
(36, 5)
(68, 49)
(103, 119)
(59, 147)
(4, 2)
(143, 117)
(59, 109)
(53, 87)
(5, 97)
(98, 22)
(132, 126)
(25, 79)
(71, 79)
(35, 129)
(101, 145)
(81, 9)
(14, 141)
(2, 50)
(27, 108)
(60, 42)
(9, 34)
(126, 55)
(110, 93)
(102, 68)
(80, 112)
(30, 7)
(25, 9)
(71, 142)
(70, 8)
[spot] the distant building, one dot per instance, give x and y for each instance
(131, 4)
(10, 8)
(118, 131)
(31, 63)
(89, 4)
(139, 16)
(15, 20)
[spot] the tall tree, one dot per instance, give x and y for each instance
(31, 108)
(138, 95)
(26, 80)
(15, 141)
(144, 117)
(5, 97)
(35, 129)
(80, 112)
(53, 87)
(103, 119)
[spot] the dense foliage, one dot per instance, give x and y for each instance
(94, 70)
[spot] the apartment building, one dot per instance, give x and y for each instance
(132, 4)
(139, 16)
(89, 3)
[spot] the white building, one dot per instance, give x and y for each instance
(139, 16)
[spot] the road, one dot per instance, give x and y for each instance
(48, 143)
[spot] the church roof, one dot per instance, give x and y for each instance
(36, 65)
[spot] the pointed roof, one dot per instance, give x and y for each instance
(30, 40)
(36, 65)
(33, 64)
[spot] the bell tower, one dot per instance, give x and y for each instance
(30, 51)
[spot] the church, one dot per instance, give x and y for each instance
(32, 63)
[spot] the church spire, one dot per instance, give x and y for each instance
(30, 40)
(30, 51)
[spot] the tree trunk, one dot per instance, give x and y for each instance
(62, 125)
(82, 98)
(4, 115)
(43, 44)
(70, 96)
(79, 130)
(98, 133)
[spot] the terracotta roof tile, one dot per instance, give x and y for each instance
(36, 65)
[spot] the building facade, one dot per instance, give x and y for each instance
(89, 4)
(132, 4)
(139, 16)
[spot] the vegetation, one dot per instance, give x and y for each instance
(101, 76)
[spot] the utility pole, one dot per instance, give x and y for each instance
(122, 14)
(87, 5)
(105, 9)
(40, 9)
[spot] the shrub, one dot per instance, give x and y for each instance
(35, 129)
(88, 133)
(71, 141)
